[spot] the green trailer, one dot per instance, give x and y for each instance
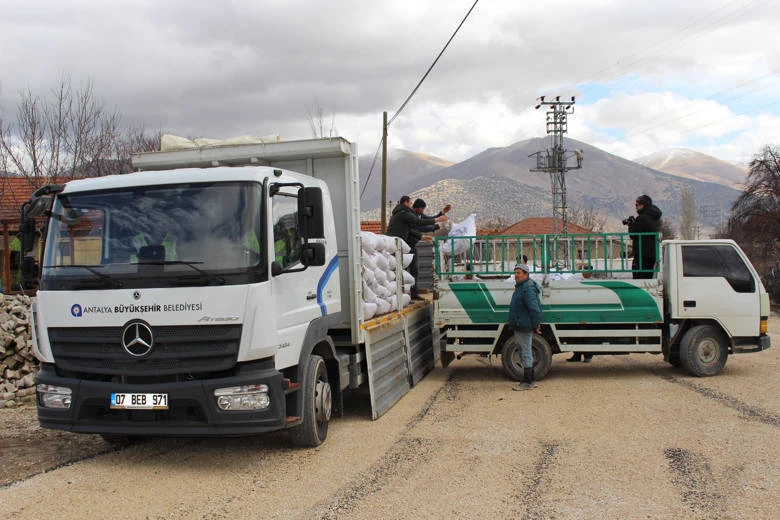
(703, 301)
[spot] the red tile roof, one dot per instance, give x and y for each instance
(13, 192)
(539, 226)
(375, 226)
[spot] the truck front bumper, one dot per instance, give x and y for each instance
(192, 407)
(746, 345)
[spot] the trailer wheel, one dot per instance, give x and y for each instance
(510, 358)
(317, 405)
(703, 350)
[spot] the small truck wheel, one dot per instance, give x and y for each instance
(703, 351)
(510, 358)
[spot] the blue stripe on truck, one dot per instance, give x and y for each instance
(324, 279)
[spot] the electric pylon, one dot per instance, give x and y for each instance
(555, 160)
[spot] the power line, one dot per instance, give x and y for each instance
(403, 105)
(712, 97)
(432, 64)
(621, 67)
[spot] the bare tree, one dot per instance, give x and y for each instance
(667, 229)
(316, 117)
(688, 225)
(755, 218)
(587, 218)
(69, 134)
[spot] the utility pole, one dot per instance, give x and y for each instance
(554, 161)
(383, 202)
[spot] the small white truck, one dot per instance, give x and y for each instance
(704, 302)
(216, 292)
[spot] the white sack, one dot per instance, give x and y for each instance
(465, 228)
(381, 261)
(369, 310)
(368, 241)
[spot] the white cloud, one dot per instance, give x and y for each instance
(647, 76)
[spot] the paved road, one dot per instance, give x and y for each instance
(621, 437)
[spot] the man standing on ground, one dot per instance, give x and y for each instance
(525, 315)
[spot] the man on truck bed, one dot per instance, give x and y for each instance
(404, 223)
(648, 220)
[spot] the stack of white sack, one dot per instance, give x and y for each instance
(380, 282)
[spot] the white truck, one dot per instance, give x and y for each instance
(217, 292)
(704, 302)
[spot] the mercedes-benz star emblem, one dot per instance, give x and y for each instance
(137, 339)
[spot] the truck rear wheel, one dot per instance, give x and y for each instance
(703, 350)
(510, 357)
(317, 405)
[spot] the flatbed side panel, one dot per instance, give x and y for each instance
(420, 352)
(572, 302)
(399, 353)
(388, 372)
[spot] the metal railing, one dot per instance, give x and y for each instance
(596, 253)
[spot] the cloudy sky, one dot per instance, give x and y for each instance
(647, 76)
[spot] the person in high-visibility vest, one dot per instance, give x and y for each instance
(169, 243)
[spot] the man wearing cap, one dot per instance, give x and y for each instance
(525, 315)
(648, 220)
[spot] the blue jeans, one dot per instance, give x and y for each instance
(524, 340)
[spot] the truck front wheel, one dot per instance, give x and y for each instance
(510, 357)
(317, 405)
(703, 351)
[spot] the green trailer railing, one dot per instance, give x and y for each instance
(497, 255)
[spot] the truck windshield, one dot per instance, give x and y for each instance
(168, 235)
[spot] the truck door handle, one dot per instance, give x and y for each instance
(689, 303)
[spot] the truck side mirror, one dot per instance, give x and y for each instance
(27, 231)
(310, 218)
(313, 254)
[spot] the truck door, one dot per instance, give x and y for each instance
(294, 288)
(716, 282)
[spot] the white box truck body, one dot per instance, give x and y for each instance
(217, 292)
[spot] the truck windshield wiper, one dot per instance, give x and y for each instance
(211, 277)
(92, 269)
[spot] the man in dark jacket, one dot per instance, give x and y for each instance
(418, 206)
(525, 315)
(403, 223)
(648, 220)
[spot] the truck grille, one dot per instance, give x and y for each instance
(178, 350)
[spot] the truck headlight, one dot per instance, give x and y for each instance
(246, 397)
(51, 396)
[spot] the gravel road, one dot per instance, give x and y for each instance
(621, 437)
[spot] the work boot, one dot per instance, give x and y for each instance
(587, 358)
(575, 357)
(528, 380)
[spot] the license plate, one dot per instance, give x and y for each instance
(139, 401)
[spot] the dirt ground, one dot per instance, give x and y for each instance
(620, 437)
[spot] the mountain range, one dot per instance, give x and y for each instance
(498, 186)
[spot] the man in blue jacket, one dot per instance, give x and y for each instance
(525, 315)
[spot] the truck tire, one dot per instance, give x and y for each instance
(317, 405)
(703, 351)
(510, 358)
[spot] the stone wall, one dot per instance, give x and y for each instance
(18, 364)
